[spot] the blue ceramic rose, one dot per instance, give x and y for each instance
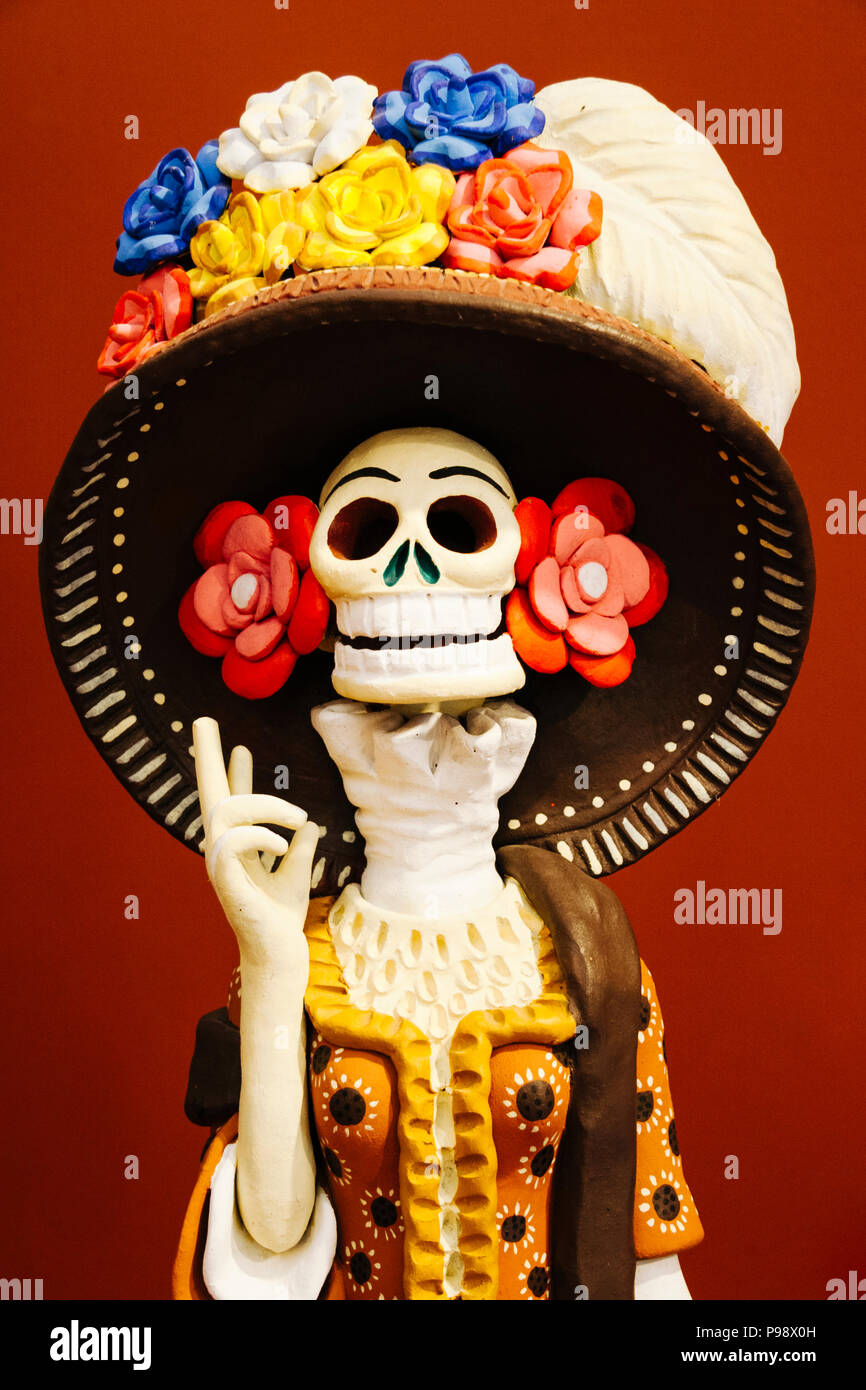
(161, 216)
(448, 114)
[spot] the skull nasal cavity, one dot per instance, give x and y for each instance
(362, 528)
(461, 523)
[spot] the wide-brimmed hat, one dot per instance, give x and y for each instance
(665, 365)
(265, 398)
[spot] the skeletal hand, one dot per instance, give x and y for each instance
(266, 910)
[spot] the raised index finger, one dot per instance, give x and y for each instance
(210, 770)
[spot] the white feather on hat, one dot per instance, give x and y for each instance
(680, 253)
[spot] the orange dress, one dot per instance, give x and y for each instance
(373, 1109)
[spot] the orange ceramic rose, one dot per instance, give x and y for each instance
(158, 309)
(520, 218)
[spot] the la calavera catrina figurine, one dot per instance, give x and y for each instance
(438, 400)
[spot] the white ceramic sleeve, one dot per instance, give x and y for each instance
(660, 1278)
(236, 1267)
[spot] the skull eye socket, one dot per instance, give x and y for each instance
(462, 524)
(361, 528)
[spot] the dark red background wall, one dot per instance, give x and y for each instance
(765, 1033)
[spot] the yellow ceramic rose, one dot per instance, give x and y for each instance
(375, 210)
(253, 244)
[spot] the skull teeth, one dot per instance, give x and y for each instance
(393, 663)
(420, 614)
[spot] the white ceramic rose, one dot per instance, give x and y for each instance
(304, 129)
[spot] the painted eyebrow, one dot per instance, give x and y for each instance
(362, 473)
(458, 469)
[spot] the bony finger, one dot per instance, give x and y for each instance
(210, 769)
(252, 810)
(241, 771)
(246, 839)
(295, 872)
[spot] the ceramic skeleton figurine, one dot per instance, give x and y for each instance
(415, 545)
(454, 1071)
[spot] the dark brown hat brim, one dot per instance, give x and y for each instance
(266, 398)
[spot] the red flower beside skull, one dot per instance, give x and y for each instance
(258, 604)
(582, 584)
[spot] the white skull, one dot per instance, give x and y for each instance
(415, 545)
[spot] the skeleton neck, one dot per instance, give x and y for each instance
(426, 790)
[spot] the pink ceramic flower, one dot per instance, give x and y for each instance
(582, 588)
(257, 605)
(251, 594)
(586, 583)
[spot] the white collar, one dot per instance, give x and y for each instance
(427, 791)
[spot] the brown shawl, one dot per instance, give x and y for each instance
(592, 1243)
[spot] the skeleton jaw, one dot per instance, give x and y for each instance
(422, 646)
